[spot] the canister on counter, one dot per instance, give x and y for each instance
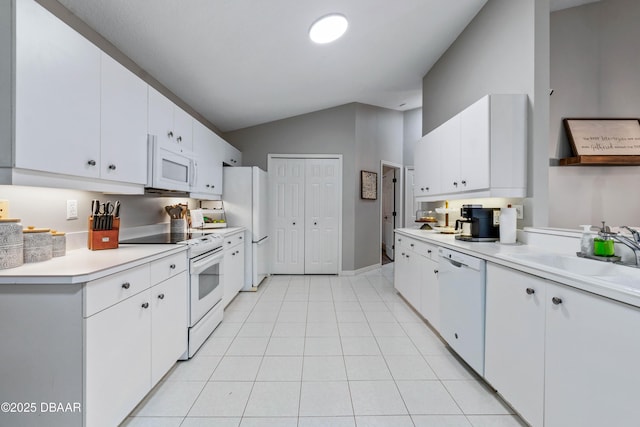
(38, 244)
(11, 243)
(59, 243)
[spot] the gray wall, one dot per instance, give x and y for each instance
(412, 132)
(378, 137)
(501, 51)
(595, 64)
(363, 134)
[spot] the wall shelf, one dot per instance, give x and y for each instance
(601, 161)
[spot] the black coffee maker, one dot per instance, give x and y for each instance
(482, 227)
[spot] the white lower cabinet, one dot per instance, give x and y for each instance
(132, 344)
(430, 292)
(416, 277)
(514, 339)
(233, 266)
(591, 360)
(561, 356)
(117, 355)
(168, 324)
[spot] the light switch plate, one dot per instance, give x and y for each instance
(72, 209)
(4, 209)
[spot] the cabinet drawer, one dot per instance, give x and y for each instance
(102, 293)
(167, 267)
(233, 239)
(424, 249)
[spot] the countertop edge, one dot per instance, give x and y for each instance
(584, 283)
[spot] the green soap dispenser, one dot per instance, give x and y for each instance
(603, 244)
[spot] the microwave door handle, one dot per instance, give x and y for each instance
(194, 174)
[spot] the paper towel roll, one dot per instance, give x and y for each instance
(508, 218)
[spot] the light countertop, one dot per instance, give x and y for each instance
(623, 286)
(83, 265)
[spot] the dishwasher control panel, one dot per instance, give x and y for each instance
(467, 260)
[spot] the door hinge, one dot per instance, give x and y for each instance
(394, 180)
(393, 246)
(394, 214)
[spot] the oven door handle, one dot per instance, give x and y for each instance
(202, 264)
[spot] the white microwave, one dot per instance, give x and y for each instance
(170, 167)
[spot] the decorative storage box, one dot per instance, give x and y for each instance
(11, 243)
(38, 244)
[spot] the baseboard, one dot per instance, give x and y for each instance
(360, 270)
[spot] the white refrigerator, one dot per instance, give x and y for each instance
(245, 193)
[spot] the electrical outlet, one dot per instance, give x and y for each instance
(72, 209)
(4, 209)
(519, 211)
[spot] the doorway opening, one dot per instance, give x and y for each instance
(390, 208)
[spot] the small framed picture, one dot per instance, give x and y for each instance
(368, 185)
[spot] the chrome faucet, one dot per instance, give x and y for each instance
(632, 242)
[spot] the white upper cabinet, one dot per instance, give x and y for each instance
(123, 128)
(483, 151)
(208, 158)
(168, 122)
(427, 179)
(232, 156)
(57, 95)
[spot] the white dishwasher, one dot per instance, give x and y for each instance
(462, 305)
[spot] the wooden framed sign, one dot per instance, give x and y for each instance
(603, 137)
(368, 185)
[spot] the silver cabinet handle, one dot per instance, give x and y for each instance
(170, 134)
(172, 266)
(427, 188)
(179, 139)
(161, 296)
(208, 186)
(240, 237)
(435, 271)
(112, 167)
(411, 244)
(126, 285)
(233, 253)
(556, 300)
(455, 184)
(530, 291)
(463, 182)
(145, 305)
(91, 162)
(428, 251)
(294, 223)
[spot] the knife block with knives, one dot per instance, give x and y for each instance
(104, 226)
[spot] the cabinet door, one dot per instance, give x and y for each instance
(427, 165)
(169, 324)
(591, 362)
(474, 146)
(430, 292)
(514, 339)
(232, 156)
(123, 127)
(408, 281)
(57, 95)
(233, 272)
(160, 117)
(449, 139)
(286, 190)
(322, 188)
(183, 128)
(208, 161)
(117, 354)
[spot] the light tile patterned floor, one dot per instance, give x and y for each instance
(311, 351)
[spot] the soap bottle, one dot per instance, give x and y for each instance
(603, 244)
(586, 243)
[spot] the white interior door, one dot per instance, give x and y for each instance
(322, 216)
(286, 183)
(388, 204)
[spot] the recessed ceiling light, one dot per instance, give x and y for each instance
(328, 28)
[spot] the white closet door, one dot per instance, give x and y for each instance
(286, 182)
(322, 214)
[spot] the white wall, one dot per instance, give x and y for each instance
(595, 69)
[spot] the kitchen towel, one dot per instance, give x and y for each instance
(508, 225)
